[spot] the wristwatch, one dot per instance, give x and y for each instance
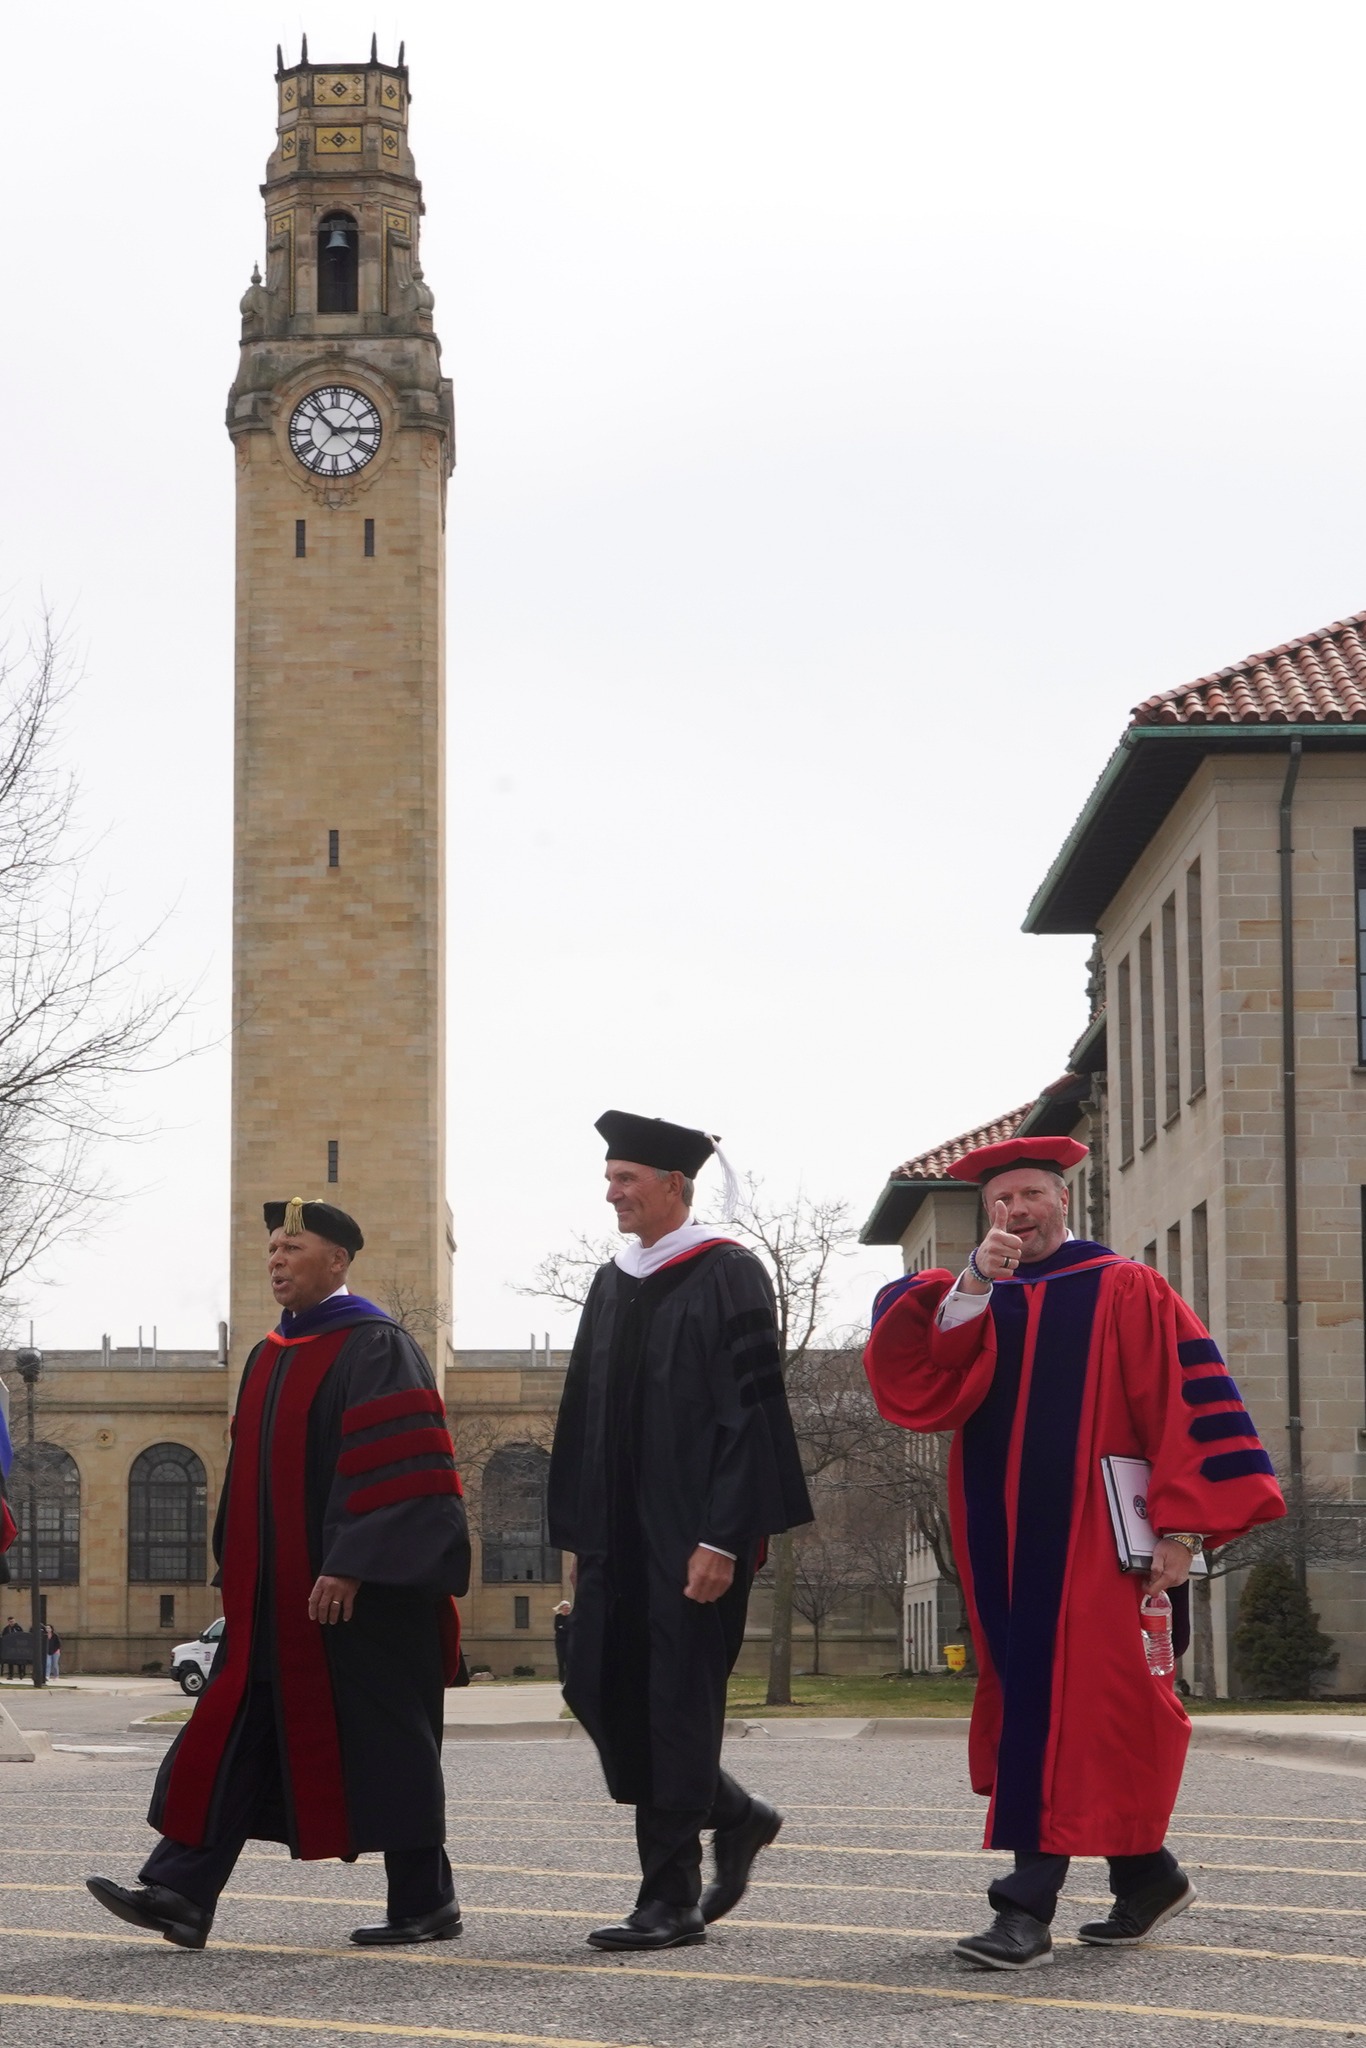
(1194, 1544)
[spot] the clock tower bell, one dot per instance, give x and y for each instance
(343, 431)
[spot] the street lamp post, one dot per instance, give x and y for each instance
(29, 1364)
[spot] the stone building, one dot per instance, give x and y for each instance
(1220, 863)
(133, 1445)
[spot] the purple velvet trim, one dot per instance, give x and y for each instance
(330, 1315)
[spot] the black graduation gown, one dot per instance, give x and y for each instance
(673, 1431)
(341, 1463)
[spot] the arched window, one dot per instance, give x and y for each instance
(513, 1523)
(338, 263)
(59, 1514)
(167, 1517)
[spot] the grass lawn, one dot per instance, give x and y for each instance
(941, 1698)
(857, 1697)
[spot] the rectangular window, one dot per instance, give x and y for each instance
(1199, 1294)
(1171, 1014)
(1150, 1253)
(1147, 1034)
(301, 537)
(521, 1610)
(1195, 977)
(168, 1610)
(1125, 1037)
(1174, 1255)
(333, 1154)
(334, 849)
(369, 536)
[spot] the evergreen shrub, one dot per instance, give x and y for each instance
(1280, 1648)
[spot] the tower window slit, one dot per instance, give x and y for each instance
(333, 1159)
(334, 848)
(369, 536)
(301, 536)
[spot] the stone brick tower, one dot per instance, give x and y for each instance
(343, 429)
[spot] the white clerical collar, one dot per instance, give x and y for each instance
(641, 1260)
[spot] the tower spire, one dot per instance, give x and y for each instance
(374, 48)
(303, 49)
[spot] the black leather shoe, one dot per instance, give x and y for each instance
(1139, 1916)
(653, 1925)
(155, 1907)
(442, 1925)
(1014, 1941)
(735, 1849)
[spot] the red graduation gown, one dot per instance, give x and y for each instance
(1084, 1355)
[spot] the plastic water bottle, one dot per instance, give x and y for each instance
(1155, 1620)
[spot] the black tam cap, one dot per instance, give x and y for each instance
(319, 1217)
(649, 1141)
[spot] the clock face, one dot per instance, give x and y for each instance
(334, 431)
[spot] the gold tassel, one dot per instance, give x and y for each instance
(294, 1216)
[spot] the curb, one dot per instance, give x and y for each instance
(1306, 1746)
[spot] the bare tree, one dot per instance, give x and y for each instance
(1322, 1527)
(421, 1315)
(826, 1570)
(73, 1021)
(566, 1276)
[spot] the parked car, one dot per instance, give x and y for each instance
(190, 1662)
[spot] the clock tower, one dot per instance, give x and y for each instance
(342, 427)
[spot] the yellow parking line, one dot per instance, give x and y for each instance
(618, 1968)
(768, 1884)
(390, 2029)
(1197, 1948)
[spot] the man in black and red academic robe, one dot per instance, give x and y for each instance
(341, 1542)
(674, 1458)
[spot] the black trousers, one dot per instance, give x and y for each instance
(419, 1879)
(670, 1843)
(1037, 1879)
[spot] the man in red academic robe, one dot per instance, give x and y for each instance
(1048, 1354)
(341, 1540)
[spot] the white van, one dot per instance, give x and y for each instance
(190, 1661)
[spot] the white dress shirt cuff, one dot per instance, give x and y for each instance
(717, 1551)
(958, 1307)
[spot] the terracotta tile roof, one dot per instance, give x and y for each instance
(1320, 680)
(935, 1164)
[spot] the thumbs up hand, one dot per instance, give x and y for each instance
(997, 1256)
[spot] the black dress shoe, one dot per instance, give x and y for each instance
(155, 1907)
(654, 1925)
(442, 1925)
(1139, 1916)
(1014, 1941)
(735, 1849)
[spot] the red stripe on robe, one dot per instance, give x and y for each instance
(389, 1407)
(406, 1486)
(312, 1743)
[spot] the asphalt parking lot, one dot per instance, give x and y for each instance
(844, 1939)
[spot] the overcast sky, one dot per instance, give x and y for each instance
(860, 407)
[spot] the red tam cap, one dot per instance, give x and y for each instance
(1054, 1155)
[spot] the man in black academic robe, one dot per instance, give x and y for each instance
(341, 1540)
(674, 1459)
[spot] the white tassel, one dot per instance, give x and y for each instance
(730, 1189)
